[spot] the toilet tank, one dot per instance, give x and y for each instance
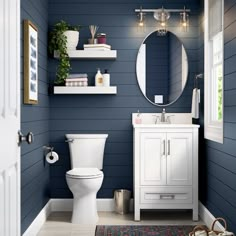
(86, 150)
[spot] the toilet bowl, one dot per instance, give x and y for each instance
(84, 184)
(85, 177)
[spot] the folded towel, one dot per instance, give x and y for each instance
(76, 79)
(100, 45)
(77, 84)
(77, 76)
(195, 103)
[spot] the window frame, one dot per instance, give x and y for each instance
(213, 130)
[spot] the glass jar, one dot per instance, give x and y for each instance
(101, 38)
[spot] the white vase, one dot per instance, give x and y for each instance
(72, 39)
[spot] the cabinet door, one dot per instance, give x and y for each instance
(179, 158)
(153, 158)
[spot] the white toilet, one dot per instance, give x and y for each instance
(85, 178)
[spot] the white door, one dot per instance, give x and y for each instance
(9, 117)
(153, 158)
(179, 158)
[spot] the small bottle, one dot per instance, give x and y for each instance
(101, 38)
(138, 119)
(106, 78)
(98, 79)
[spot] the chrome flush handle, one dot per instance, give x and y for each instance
(69, 140)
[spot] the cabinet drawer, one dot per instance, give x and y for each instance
(166, 194)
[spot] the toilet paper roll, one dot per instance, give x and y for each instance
(52, 157)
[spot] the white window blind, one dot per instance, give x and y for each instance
(215, 17)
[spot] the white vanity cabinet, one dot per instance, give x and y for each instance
(166, 168)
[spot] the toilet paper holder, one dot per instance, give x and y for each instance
(48, 148)
(50, 155)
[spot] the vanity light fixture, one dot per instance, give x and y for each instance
(141, 17)
(162, 15)
(184, 20)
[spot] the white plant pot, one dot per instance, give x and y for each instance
(72, 39)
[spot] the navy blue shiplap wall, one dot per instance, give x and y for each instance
(34, 172)
(220, 191)
(111, 113)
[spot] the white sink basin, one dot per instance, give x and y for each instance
(148, 120)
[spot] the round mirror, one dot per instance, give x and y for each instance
(162, 68)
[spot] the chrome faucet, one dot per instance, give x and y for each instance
(163, 118)
(163, 115)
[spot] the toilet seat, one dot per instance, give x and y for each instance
(84, 173)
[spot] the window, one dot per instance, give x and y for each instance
(214, 70)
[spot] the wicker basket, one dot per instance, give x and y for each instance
(220, 233)
(213, 226)
(199, 230)
(203, 231)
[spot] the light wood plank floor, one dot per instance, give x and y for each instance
(58, 223)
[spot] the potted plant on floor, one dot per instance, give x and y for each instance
(63, 38)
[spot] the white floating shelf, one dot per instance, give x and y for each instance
(85, 90)
(91, 54)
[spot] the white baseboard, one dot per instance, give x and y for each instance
(103, 204)
(38, 222)
(58, 204)
(208, 218)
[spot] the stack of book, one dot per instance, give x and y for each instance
(102, 47)
(77, 80)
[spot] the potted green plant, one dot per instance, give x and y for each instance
(62, 38)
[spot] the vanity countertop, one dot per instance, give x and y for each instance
(177, 120)
(165, 126)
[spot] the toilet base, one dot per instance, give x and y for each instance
(85, 210)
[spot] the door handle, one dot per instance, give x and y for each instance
(29, 138)
(168, 148)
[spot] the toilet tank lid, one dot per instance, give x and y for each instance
(86, 136)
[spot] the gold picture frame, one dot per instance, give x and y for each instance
(30, 63)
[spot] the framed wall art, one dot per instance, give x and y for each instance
(30, 63)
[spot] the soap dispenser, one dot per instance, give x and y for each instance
(138, 119)
(98, 78)
(106, 78)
